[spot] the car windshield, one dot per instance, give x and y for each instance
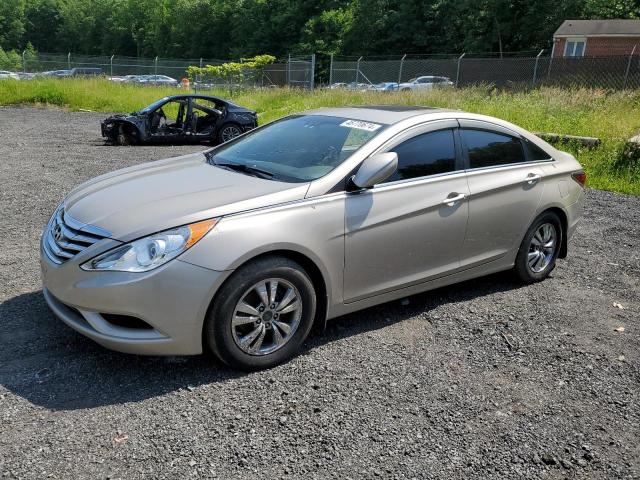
(297, 148)
(154, 105)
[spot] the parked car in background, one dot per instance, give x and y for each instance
(55, 73)
(130, 78)
(358, 86)
(181, 119)
(337, 86)
(158, 80)
(26, 75)
(5, 74)
(243, 248)
(85, 71)
(125, 78)
(385, 87)
(426, 83)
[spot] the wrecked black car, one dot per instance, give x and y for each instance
(180, 119)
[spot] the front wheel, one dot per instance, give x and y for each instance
(539, 249)
(262, 314)
(126, 136)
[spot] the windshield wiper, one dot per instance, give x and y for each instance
(239, 167)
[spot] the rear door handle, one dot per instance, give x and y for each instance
(450, 201)
(533, 178)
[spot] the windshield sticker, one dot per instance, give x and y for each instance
(369, 127)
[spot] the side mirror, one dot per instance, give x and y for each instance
(375, 169)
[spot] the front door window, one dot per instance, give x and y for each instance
(169, 119)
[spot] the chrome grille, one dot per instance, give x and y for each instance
(65, 237)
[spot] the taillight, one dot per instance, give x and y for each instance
(580, 177)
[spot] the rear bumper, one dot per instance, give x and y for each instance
(172, 301)
(574, 214)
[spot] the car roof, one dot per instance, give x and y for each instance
(193, 95)
(383, 114)
(229, 104)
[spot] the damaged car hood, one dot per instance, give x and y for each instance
(152, 197)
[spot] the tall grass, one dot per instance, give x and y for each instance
(610, 116)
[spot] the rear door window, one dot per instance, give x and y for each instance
(427, 154)
(490, 149)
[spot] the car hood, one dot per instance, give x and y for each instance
(151, 197)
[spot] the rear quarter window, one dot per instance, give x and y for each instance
(535, 152)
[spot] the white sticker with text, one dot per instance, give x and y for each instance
(369, 127)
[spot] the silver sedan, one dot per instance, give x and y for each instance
(243, 248)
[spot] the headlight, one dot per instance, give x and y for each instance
(150, 252)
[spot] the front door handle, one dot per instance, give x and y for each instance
(453, 198)
(533, 178)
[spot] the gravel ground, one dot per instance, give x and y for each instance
(485, 379)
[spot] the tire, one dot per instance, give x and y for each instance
(126, 136)
(536, 256)
(228, 131)
(228, 341)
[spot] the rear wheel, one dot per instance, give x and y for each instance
(228, 132)
(262, 314)
(539, 249)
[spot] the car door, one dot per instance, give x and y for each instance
(411, 227)
(422, 83)
(505, 190)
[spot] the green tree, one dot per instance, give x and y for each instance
(12, 23)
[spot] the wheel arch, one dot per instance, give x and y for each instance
(564, 223)
(311, 267)
(131, 126)
(224, 124)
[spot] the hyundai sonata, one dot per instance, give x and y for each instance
(243, 248)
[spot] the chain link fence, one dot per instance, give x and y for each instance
(292, 71)
(525, 69)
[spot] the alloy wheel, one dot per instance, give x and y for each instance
(229, 132)
(267, 316)
(542, 247)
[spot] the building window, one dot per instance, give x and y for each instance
(575, 47)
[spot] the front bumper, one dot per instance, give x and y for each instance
(108, 130)
(172, 300)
